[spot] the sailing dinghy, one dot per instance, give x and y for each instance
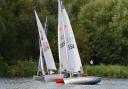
(48, 57)
(69, 57)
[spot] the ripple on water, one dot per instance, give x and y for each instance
(29, 83)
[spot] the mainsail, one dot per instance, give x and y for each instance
(63, 57)
(45, 46)
(70, 43)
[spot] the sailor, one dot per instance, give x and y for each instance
(66, 75)
(79, 74)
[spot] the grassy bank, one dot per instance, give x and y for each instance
(29, 68)
(20, 69)
(112, 71)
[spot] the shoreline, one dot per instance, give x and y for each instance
(28, 69)
(107, 71)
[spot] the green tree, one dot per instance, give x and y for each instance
(106, 22)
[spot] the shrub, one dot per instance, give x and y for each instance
(3, 67)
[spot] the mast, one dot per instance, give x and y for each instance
(59, 35)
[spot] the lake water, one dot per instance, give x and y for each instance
(29, 83)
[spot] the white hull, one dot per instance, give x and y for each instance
(52, 77)
(48, 78)
(82, 80)
(40, 78)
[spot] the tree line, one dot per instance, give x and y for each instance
(100, 28)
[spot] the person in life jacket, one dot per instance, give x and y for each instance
(66, 74)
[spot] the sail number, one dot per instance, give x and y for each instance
(45, 46)
(71, 46)
(62, 44)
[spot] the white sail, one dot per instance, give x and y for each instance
(63, 58)
(72, 50)
(45, 46)
(41, 61)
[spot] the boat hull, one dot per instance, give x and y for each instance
(48, 78)
(40, 78)
(81, 80)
